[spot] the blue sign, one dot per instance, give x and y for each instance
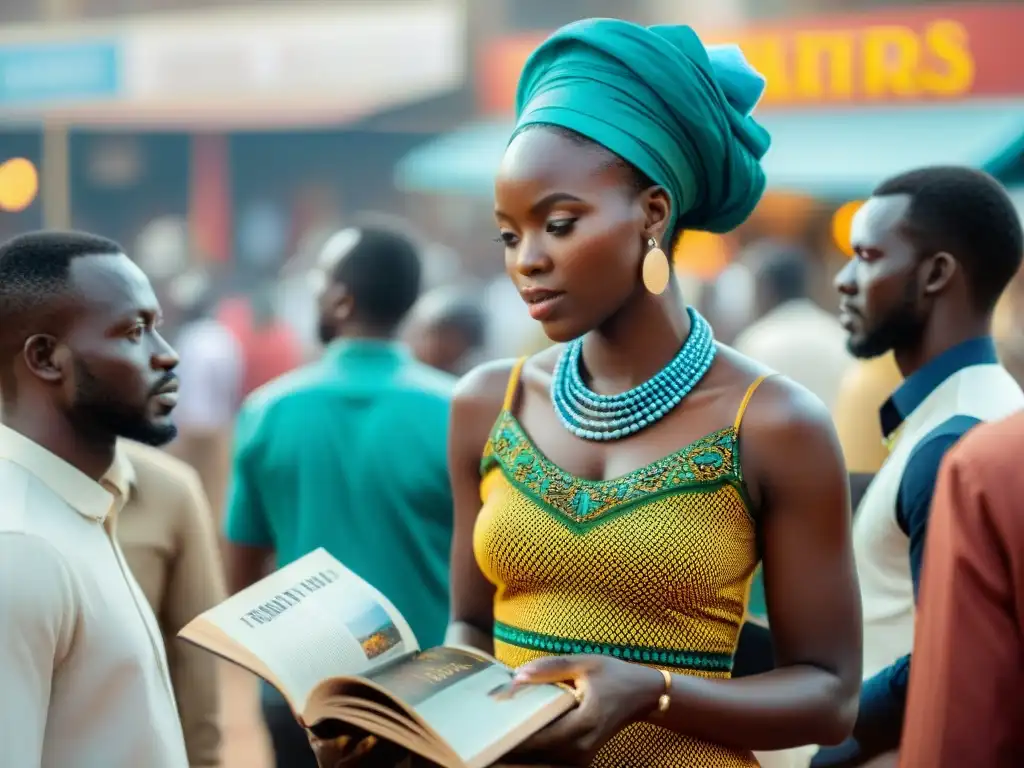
(55, 72)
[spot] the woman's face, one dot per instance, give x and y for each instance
(575, 229)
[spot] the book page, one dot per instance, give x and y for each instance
(309, 621)
(462, 697)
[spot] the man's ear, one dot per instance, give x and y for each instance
(343, 304)
(938, 272)
(44, 357)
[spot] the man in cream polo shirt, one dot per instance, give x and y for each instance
(934, 250)
(82, 664)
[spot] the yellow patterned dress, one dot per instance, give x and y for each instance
(653, 567)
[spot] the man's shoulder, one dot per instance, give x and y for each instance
(299, 384)
(424, 380)
(28, 558)
(986, 390)
(302, 387)
(156, 459)
(16, 482)
(154, 467)
(944, 434)
(28, 502)
(947, 430)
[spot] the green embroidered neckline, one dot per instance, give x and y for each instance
(708, 461)
(699, 661)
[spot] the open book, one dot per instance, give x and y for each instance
(348, 664)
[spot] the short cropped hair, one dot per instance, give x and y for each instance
(460, 312)
(383, 272)
(968, 214)
(34, 270)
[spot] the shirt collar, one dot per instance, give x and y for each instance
(920, 384)
(121, 475)
(81, 492)
(368, 350)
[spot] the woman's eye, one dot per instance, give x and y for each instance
(507, 239)
(136, 332)
(560, 227)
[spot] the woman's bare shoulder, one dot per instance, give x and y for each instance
(484, 385)
(476, 404)
(778, 402)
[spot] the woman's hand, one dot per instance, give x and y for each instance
(612, 694)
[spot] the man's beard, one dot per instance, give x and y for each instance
(901, 328)
(97, 413)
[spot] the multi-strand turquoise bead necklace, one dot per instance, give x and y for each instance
(591, 416)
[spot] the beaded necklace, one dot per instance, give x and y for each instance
(591, 416)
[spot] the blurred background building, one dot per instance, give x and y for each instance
(236, 134)
(255, 123)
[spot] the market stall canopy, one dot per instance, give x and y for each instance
(844, 154)
(836, 153)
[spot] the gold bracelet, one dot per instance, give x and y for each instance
(666, 698)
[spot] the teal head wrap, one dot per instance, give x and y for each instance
(660, 100)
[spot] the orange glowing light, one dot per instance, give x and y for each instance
(701, 253)
(19, 184)
(842, 219)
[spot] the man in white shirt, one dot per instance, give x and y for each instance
(82, 662)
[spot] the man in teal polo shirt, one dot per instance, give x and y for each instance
(349, 453)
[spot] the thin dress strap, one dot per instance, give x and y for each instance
(746, 400)
(513, 385)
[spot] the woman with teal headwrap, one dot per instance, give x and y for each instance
(623, 516)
